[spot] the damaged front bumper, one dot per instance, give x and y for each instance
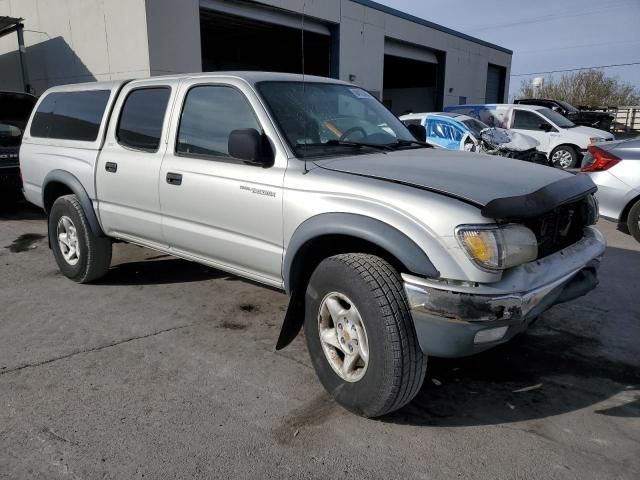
(456, 319)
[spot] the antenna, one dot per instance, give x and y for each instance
(304, 95)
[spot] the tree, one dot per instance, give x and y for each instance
(585, 88)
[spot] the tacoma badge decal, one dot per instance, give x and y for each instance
(258, 191)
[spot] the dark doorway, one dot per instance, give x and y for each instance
(494, 92)
(232, 42)
(411, 85)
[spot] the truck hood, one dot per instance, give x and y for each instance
(474, 178)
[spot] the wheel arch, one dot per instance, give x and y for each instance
(567, 144)
(330, 234)
(60, 182)
(325, 230)
(624, 216)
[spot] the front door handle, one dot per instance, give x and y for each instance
(174, 178)
(111, 167)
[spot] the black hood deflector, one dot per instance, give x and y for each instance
(545, 199)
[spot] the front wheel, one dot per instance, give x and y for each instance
(564, 157)
(80, 255)
(633, 221)
(360, 334)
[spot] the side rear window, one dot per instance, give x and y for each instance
(526, 120)
(70, 115)
(209, 115)
(142, 117)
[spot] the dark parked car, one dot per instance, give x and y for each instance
(15, 109)
(600, 120)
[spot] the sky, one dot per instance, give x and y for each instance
(545, 35)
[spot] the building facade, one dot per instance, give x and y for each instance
(409, 63)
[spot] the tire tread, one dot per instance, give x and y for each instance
(409, 366)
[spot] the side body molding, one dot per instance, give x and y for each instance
(366, 228)
(66, 178)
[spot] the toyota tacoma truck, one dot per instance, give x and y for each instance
(389, 250)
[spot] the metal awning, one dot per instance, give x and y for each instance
(9, 25)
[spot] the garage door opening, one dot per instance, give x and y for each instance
(231, 42)
(410, 86)
(412, 78)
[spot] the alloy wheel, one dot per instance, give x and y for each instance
(68, 240)
(562, 158)
(343, 337)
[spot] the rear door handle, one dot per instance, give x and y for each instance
(111, 167)
(174, 178)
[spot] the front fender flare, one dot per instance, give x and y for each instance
(68, 179)
(398, 244)
(359, 226)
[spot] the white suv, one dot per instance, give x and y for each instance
(560, 139)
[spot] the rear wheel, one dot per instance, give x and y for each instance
(564, 157)
(81, 256)
(633, 221)
(360, 334)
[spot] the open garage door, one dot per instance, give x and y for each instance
(242, 36)
(412, 78)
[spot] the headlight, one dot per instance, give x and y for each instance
(494, 247)
(596, 139)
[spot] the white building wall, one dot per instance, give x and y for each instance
(70, 41)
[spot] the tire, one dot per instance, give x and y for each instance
(633, 221)
(92, 253)
(564, 157)
(372, 290)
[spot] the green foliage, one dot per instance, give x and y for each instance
(586, 88)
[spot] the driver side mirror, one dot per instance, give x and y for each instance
(249, 145)
(545, 127)
(418, 131)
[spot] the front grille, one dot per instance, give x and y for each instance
(560, 227)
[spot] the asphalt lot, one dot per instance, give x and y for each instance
(166, 369)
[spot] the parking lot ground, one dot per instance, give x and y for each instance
(166, 369)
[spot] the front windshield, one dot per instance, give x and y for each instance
(567, 106)
(556, 118)
(320, 119)
(475, 126)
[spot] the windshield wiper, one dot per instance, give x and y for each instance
(403, 142)
(342, 143)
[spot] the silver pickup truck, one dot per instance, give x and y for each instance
(389, 249)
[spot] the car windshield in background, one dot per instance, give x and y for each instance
(556, 118)
(475, 126)
(9, 135)
(568, 106)
(320, 119)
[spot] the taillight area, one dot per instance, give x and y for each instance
(599, 161)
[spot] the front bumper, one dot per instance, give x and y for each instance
(457, 319)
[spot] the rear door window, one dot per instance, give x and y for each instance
(142, 117)
(70, 115)
(525, 120)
